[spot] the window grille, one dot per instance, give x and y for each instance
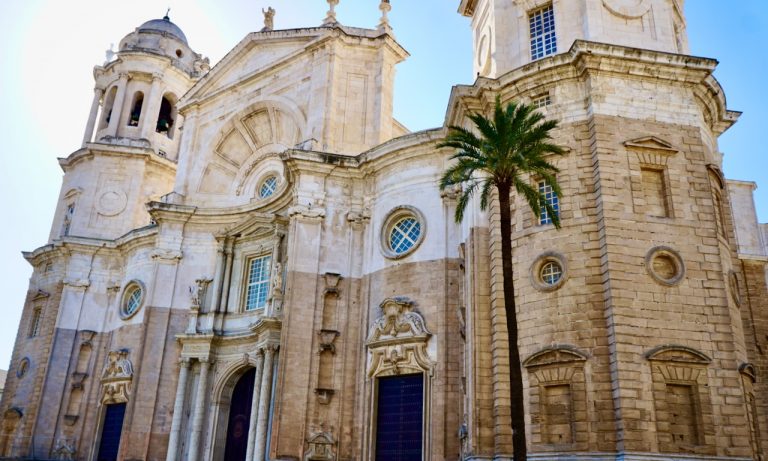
(543, 38)
(258, 283)
(548, 197)
(542, 101)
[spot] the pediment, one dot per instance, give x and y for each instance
(255, 225)
(257, 53)
(555, 355)
(651, 143)
(677, 353)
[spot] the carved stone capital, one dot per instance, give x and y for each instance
(305, 211)
(77, 284)
(164, 255)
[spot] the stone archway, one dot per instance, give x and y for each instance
(236, 445)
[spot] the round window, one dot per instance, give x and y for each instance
(548, 271)
(402, 233)
(268, 187)
(665, 265)
(133, 298)
(551, 272)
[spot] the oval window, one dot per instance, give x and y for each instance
(268, 187)
(133, 298)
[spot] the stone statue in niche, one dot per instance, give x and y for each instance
(197, 292)
(277, 281)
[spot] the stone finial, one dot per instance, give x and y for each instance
(385, 8)
(269, 19)
(330, 18)
(109, 54)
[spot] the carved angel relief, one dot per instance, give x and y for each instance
(116, 377)
(398, 340)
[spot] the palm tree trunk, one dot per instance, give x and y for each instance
(516, 398)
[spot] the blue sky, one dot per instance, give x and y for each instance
(48, 49)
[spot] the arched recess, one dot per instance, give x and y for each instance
(223, 392)
(167, 115)
(397, 348)
(249, 138)
(558, 398)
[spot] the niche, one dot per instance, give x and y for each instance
(327, 337)
(78, 378)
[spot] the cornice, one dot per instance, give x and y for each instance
(92, 150)
(591, 58)
(63, 247)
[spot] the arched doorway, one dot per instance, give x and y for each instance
(240, 417)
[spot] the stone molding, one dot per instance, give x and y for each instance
(397, 340)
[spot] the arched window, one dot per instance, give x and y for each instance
(106, 112)
(167, 115)
(138, 101)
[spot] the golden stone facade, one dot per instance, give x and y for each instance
(253, 261)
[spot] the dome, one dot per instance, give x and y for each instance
(164, 25)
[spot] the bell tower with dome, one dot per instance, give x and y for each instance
(131, 140)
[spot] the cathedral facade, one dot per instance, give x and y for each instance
(254, 261)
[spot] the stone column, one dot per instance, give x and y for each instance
(91, 125)
(178, 410)
(117, 105)
(150, 109)
(265, 394)
(198, 412)
(255, 407)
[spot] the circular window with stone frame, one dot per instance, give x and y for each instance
(403, 231)
(665, 265)
(23, 367)
(132, 300)
(549, 271)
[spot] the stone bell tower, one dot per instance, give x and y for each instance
(131, 141)
(511, 33)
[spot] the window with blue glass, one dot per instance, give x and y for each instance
(268, 187)
(258, 283)
(542, 27)
(404, 234)
(548, 196)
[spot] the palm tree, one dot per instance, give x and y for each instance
(511, 147)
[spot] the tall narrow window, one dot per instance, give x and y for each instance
(258, 283)
(543, 38)
(655, 192)
(548, 197)
(34, 325)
